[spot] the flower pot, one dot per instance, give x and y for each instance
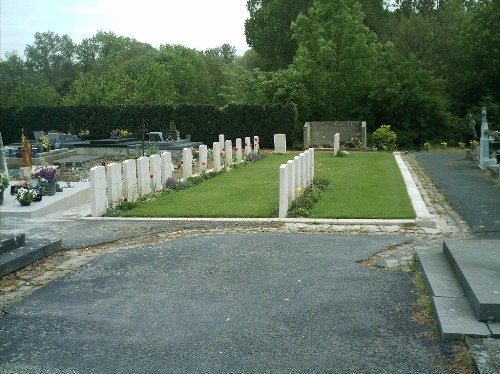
(49, 187)
(24, 203)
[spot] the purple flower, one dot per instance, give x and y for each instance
(47, 173)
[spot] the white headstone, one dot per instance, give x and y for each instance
(187, 163)
(248, 146)
(130, 191)
(291, 181)
(283, 191)
(203, 158)
(256, 145)
(228, 145)
(166, 166)
(239, 152)
(311, 170)
(217, 153)
(336, 143)
(155, 172)
(221, 140)
(279, 143)
(303, 170)
(298, 179)
(143, 183)
(114, 183)
(98, 198)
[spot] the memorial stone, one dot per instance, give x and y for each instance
(130, 180)
(217, 156)
(248, 146)
(280, 143)
(187, 163)
(143, 183)
(336, 143)
(228, 145)
(239, 153)
(114, 183)
(155, 172)
(203, 158)
(98, 200)
(167, 167)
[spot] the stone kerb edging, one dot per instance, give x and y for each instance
(132, 179)
(295, 176)
(423, 217)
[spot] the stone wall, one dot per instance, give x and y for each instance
(317, 134)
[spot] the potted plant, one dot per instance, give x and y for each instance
(48, 176)
(25, 193)
(4, 183)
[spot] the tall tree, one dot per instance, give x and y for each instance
(336, 56)
(52, 56)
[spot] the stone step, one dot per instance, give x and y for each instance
(12, 243)
(453, 312)
(476, 265)
(28, 254)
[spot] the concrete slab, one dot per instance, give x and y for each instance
(28, 254)
(456, 318)
(438, 275)
(476, 263)
(69, 198)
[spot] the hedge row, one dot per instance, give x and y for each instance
(203, 122)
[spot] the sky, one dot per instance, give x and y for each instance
(198, 24)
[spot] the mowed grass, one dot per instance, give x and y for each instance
(248, 191)
(362, 185)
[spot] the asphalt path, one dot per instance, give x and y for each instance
(469, 190)
(236, 303)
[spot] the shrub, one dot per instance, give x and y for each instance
(352, 143)
(443, 145)
(427, 146)
(385, 139)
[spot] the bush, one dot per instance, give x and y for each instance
(385, 139)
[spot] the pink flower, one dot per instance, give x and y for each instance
(151, 176)
(179, 165)
(125, 199)
(203, 163)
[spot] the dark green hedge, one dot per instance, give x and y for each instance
(203, 122)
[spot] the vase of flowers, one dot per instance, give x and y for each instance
(48, 177)
(25, 193)
(4, 183)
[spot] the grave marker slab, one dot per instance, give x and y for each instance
(217, 156)
(203, 150)
(130, 190)
(280, 143)
(228, 145)
(114, 183)
(143, 183)
(239, 153)
(283, 191)
(98, 196)
(167, 167)
(248, 146)
(187, 163)
(336, 143)
(155, 172)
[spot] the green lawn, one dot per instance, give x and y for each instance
(249, 191)
(363, 185)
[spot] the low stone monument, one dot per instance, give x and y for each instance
(336, 143)
(279, 143)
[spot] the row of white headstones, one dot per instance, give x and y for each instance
(134, 178)
(295, 177)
